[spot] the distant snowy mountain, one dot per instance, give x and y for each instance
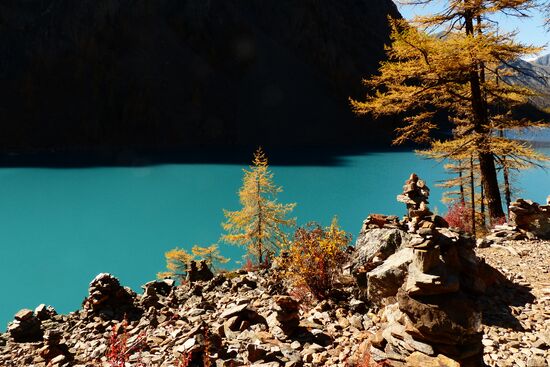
(543, 60)
(536, 75)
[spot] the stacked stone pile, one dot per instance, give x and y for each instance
(428, 288)
(425, 278)
(531, 218)
(501, 233)
(202, 273)
(528, 220)
(25, 327)
(109, 300)
(54, 351)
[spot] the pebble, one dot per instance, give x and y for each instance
(236, 317)
(527, 347)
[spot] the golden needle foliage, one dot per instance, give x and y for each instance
(464, 70)
(177, 263)
(316, 256)
(211, 255)
(259, 224)
(178, 260)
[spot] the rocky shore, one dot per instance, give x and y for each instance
(245, 320)
(415, 293)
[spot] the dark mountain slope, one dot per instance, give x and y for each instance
(110, 75)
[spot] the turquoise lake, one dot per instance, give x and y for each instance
(61, 227)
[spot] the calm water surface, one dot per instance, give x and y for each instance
(60, 227)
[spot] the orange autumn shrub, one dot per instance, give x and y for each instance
(316, 256)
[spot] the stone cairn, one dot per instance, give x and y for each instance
(419, 217)
(528, 220)
(25, 327)
(202, 273)
(29, 326)
(109, 300)
(425, 281)
(415, 196)
(286, 315)
(531, 218)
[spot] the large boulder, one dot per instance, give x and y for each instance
(378, 243)
(441, 319)
(385, 280)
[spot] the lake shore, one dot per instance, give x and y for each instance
(248, 318)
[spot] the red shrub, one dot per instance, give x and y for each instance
(498, 221)
(249, 265)
(184, 360)
(459, 216)
(119, 351)
(365, 360)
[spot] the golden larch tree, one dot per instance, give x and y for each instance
(177, 263)
(211, 255)
(462, 67)
(260, 224)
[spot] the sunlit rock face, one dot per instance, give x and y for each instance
(171, 73)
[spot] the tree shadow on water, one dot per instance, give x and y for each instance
(333, 156)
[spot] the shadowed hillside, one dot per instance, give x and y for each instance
(133, 75)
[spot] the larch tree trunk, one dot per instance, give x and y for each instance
(487, 167)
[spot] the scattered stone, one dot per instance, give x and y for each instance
(429, 297)
(418, 359)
